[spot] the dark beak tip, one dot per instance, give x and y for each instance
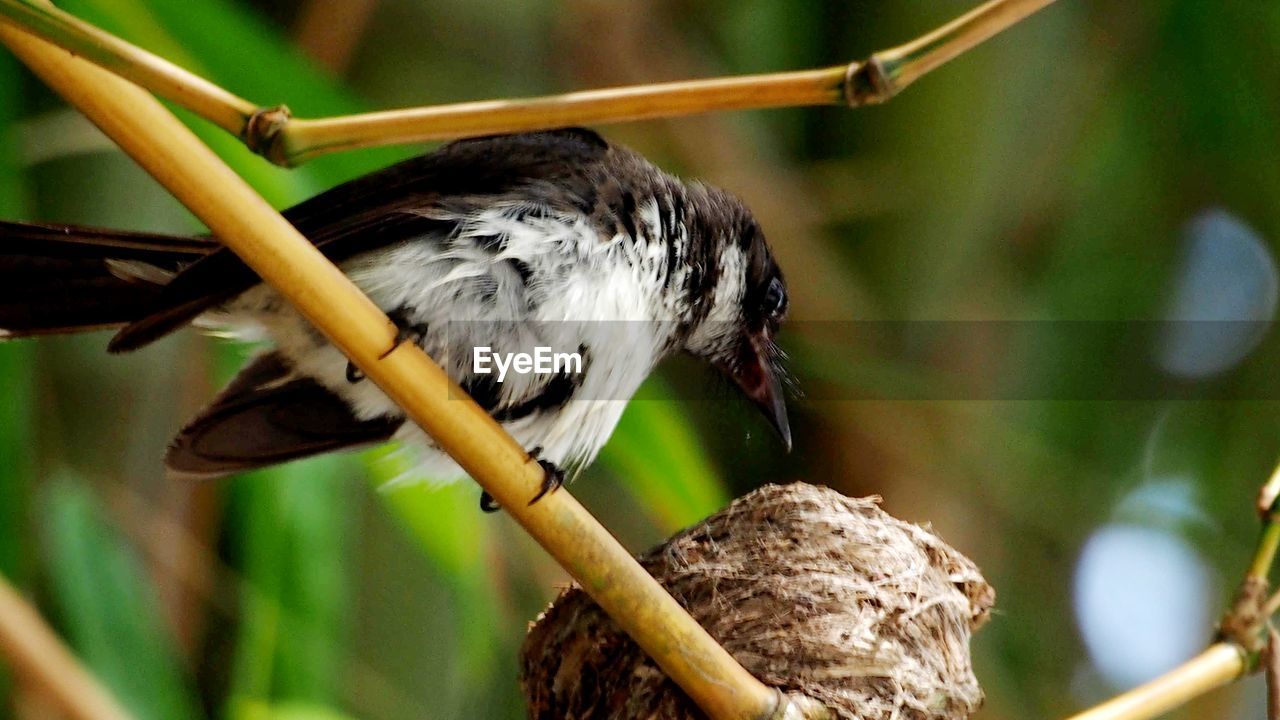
(775, 409)
(784, 431)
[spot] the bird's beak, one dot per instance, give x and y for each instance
(754, 374)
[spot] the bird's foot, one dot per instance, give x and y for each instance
(405, 331)
(552, 479)
(552, 475)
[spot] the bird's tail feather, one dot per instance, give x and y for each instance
(62, 278)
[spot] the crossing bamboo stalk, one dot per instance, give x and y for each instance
(1219, 665)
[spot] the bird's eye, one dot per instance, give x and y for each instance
(775, 299)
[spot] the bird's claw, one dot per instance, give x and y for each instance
(552, 479)
(405, 331)
(552, 475)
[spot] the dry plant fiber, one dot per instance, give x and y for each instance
(816, 594)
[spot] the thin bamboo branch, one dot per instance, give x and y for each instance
(36, 654)
(291, 141)
(282, 257)
(1268, 506)
(909, 62)
(1269, 494)
(1245, 622)
(1265, 555)
(1219, 665)
(301, 140)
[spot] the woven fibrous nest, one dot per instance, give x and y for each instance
(816, 594)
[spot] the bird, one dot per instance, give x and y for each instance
(556, 240)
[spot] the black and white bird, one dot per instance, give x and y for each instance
(555, 239)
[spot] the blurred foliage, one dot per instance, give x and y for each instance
(1045, 177)
(109, 609)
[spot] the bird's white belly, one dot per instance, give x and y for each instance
(602, 311)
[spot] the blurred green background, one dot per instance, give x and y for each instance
(997, 226)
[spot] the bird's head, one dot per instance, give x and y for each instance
(744, 301)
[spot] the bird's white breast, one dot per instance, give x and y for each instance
(555, 281)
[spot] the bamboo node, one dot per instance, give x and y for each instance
(1245, 622)
(263, 127)
(849, 612)
(867, 83)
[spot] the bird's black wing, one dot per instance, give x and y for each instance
(370, 212)
(267, 416)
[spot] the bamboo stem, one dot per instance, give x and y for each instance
(1265, 555)
(1269, 494)
(1219, 665)
(1245, 621)
(909, 62)
(39, 657)
(285, 140)
(302, 140)
(282, 257)
(1268, 506)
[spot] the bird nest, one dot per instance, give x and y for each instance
(816, 594)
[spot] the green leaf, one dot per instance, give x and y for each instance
(291, 532)
(290, 529)
(656, 452)
(452, 534)
(107, 606)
